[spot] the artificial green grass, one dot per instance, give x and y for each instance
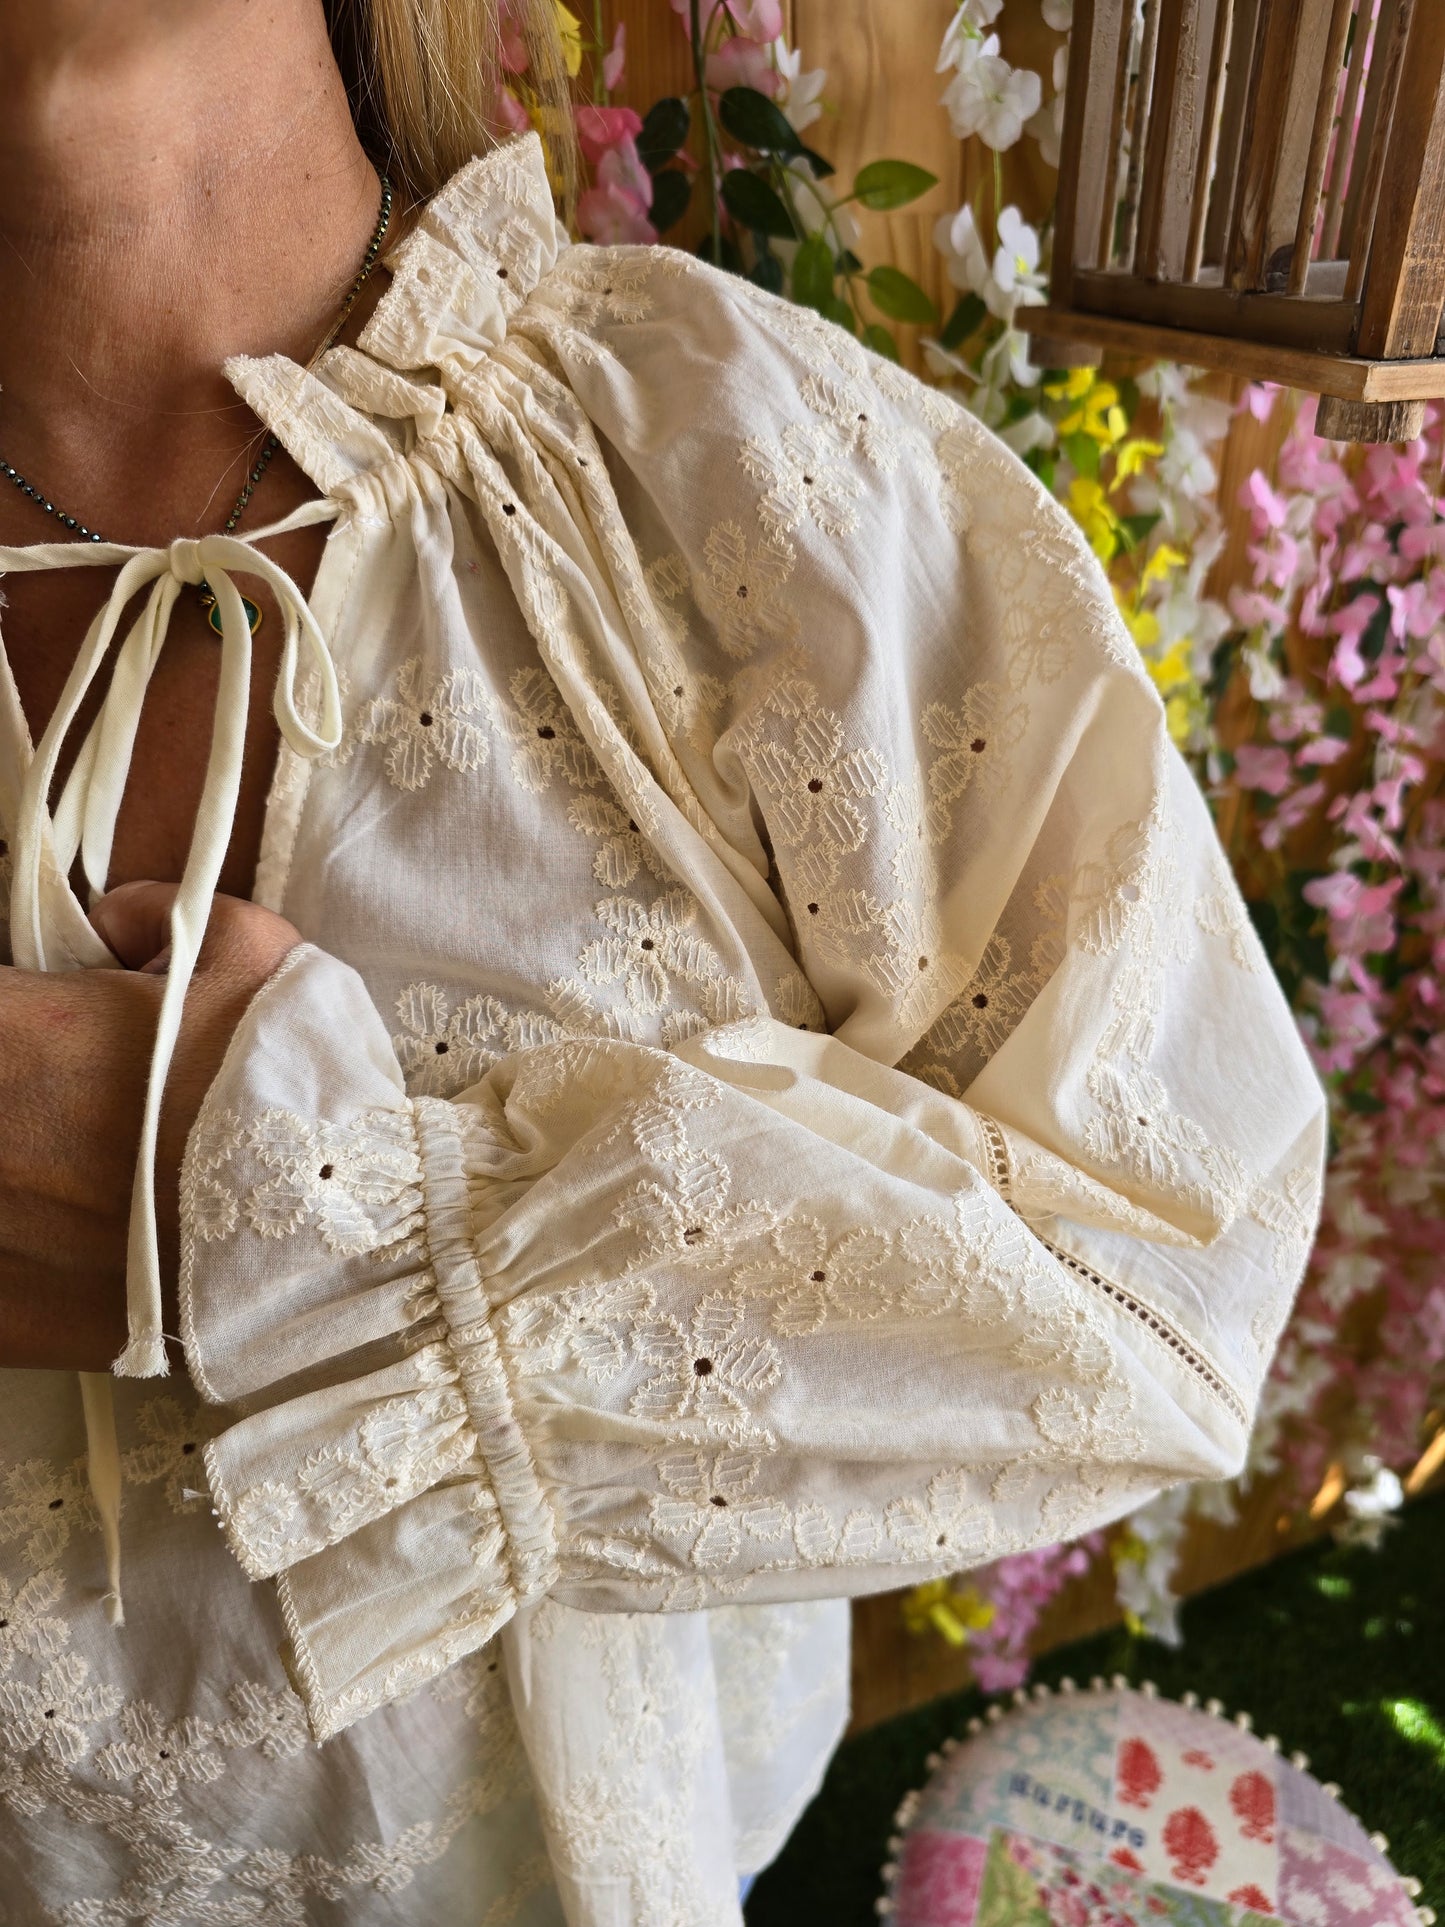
(1338, 1650)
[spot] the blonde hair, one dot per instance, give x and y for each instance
(422, 76)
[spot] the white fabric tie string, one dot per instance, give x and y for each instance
(49, 928)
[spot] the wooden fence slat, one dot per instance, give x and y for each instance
(1404, 290)
(1232, 125)
(1139, 122)
(1364, 188)
(1176, 136)
(1083, 225)
(1211, 120)
(1345, 144)
(1280, 116)
(1324, 120)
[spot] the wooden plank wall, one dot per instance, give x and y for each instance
(882, 97)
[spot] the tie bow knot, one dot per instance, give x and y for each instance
(186, 563)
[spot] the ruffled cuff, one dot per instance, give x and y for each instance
(331, 1291)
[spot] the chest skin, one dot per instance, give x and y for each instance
(43, 621)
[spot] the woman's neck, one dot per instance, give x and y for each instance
(180, 181)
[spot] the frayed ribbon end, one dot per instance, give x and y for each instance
(143, 1357)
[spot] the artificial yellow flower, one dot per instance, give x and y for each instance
(1097, 415)
(1089, 506)
(1131, 456)
(933, 1606)
(570, 28)
(1162, 563)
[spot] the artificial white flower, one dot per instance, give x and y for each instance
(964, 28)
(1058, 14)
(1047, 125)
(957, 239)
(989, 98)
(802, 96)
(1017, 277)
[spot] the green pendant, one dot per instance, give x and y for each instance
(253, 614)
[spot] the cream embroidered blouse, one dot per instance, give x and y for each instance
(780, 1098)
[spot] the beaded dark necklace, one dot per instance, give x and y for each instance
(263, 460)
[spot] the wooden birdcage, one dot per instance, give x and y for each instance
(1258, 186)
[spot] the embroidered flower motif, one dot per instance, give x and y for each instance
(851, 407)
(56, 1712)
(1061, 1416)
(400, 1448)
(623, 849)
(422, 725)
(158, 1754)
(960, 1265)
(812, 784)
(25, 1623)
(984, 1015)
(358, 1183)
(977, 742)
(743, 591)
(946, 1527)
(544, 739)
(1137, 1131)
(808, 474)
(274, 1722)
(209, 1202)
(805, 1279)
(706, 1370)
(796, 1002)
(441, 1050)
(647, 945)
(589, 1325)
(708, 1506)
(46, 1504)
(822, 1540)
(917, 971)
(264, 1520)
(175, 1437)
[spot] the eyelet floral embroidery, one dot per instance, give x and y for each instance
(441, 1049)
(742, 593)
(545, 740)
(623, 849)
(173, 1451)
(358, 1184)
(55, 1712)
(809, 1277)
(707, 1371)
(157, 1754)
(709, 1503)
(808, 478)
(426, 724)
(949, 1527)
(27, 1626)
(977, 742)
(648, 947)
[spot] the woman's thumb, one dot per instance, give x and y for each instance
(135, 920)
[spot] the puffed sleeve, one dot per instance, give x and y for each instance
(980, 1243)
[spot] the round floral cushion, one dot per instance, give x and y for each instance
(1115, 1808)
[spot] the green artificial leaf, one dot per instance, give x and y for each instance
(966, 316)
(749, 199)
(663, 132)
(880, 341)
(899, 296)
(1083, 451)
(848, 262)
(822, 168)
(768, 271)
(840, 312)
(1128, 396)
(1044, 464)
(1137, 528)
(756, 121)
(671, 192)
(1339, 722)
(884, 184)
(813, 272)
(1364, 1101)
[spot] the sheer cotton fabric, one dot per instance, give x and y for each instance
(780, 1095)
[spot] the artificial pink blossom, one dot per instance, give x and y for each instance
(510, 115)
(601, 129)
(740, 61)
(1263, 768)
(614, 61)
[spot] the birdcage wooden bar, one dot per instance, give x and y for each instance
(1258, 186)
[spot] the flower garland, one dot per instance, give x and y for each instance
(1310, 700)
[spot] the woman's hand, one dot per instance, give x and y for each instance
(74, 1057)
